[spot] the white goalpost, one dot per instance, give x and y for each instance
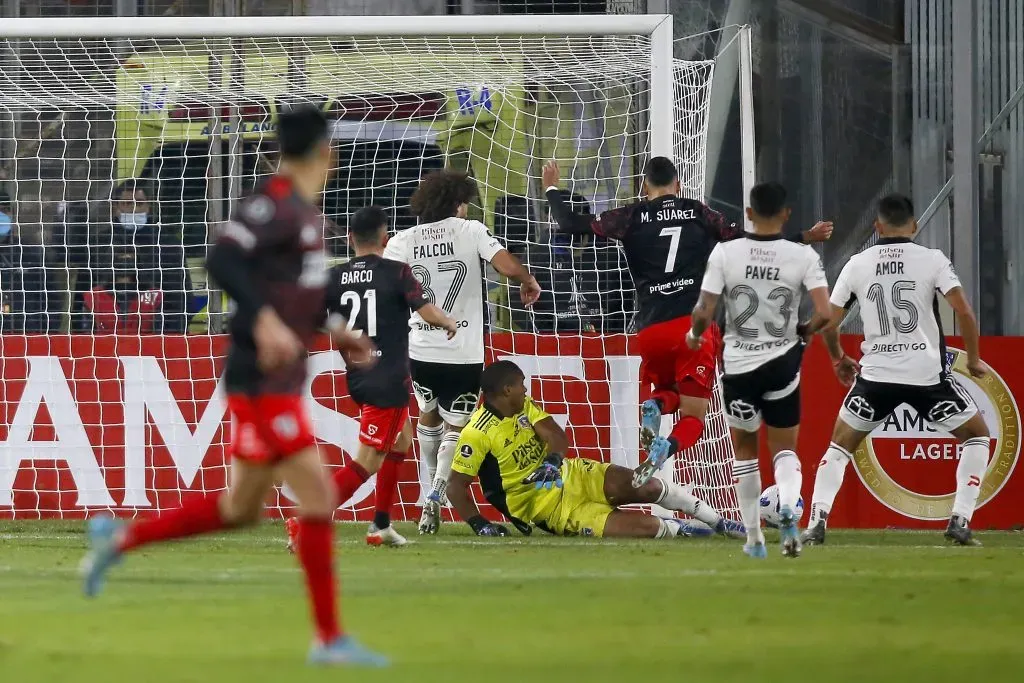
(125, 141)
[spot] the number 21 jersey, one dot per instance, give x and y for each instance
(895, 282)
(445, 259)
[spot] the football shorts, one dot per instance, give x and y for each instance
(379, 428)
(770, 392)
(583, 507)
(666, 362)
(946, 405)
(268, 428)
(452, 389)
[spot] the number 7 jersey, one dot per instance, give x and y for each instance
(445, 258)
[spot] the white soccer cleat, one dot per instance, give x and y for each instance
(385, 536)
(430, 520)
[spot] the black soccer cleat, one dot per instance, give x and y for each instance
(814, 535)
(958, 532)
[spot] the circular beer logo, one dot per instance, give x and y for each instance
(910, 466)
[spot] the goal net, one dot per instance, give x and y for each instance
(122, 154)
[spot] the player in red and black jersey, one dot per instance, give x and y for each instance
(269, 258)
(667, 240)
(377, 297)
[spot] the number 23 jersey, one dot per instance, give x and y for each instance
(445, 258)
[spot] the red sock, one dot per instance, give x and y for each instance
(197, 516)
(387, 487)
(668, 399)
(686, 433)
(348, 479)
(316, 553)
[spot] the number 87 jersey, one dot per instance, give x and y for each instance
(445, 258)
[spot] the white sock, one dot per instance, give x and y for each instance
(748, 491)
(429, 439)
(828, 481)
(445, 455)
(788, 478)
(677, 497)
(666, 529)
(970, 474)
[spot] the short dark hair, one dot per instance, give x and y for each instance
(440, 194)
(499, 375)
(768, 199)
(895, 210)
(130, 186)
(660, 172)
(367, 223)
(299, 130)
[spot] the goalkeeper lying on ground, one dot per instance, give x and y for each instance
(518, 451)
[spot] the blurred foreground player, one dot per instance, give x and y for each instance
(376, 296)
(760, 279)
(897, 284)
(270, 259)
(667, 240)
(518, 451)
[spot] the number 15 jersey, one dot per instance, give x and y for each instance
(445, 259)
(895, 282)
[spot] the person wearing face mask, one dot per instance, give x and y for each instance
(24, 286)
(159, 258)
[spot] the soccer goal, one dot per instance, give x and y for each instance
(125, 141)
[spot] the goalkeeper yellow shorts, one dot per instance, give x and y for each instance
(583, 508)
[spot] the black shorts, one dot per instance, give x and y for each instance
(770, 392)
(946, 405)
(453, 389)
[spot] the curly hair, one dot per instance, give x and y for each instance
(440, 194)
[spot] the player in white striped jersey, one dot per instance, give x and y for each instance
(445, 252)
(897, 282)
(762, 277)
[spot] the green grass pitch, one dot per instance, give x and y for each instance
(868, 607)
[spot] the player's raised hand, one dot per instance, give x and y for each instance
(548, 474)
(846, 370)
(529, 291)
(551, 176)
(276, 343)
(821, 232)
(977, 368)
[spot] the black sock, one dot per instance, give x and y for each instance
(381, 520)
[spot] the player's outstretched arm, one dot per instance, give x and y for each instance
(433, 315)
(968, 329)
(511, 267)
(566, 219)
(700, 319)
(846, 368)
(462, 500)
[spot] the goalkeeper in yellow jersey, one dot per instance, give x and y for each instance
(518, 452)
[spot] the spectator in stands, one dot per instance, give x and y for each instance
(156, 255)
(118, 306)
(24, 285)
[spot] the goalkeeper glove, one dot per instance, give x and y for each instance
(548, 474)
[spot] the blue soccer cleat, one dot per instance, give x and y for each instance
(730, 529)
(103, 554)
(657, 454)
(789, 533)
(345, 651)
(650, 422)
(690, 530)
(756, 551)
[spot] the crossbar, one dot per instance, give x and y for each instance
(329, 26)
